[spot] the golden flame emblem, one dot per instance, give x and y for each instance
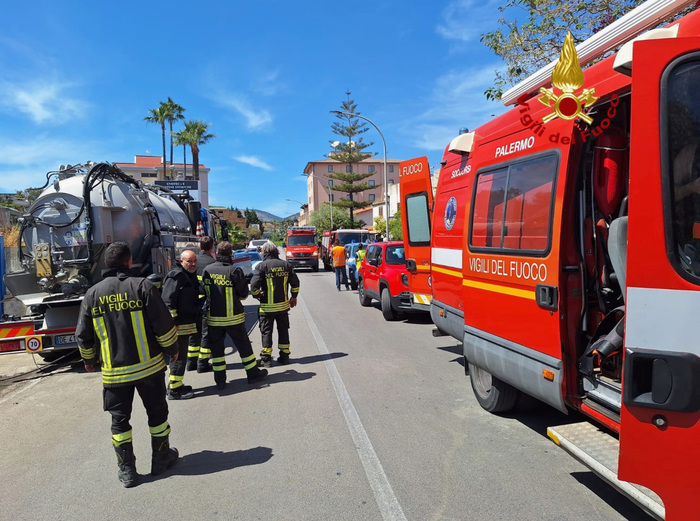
(567, 76)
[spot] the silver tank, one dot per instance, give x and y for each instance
(67, 229)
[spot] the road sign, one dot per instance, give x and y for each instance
(174, 184)
(33, 344)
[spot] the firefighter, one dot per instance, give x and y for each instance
(181, 295)
(125, 325)
(270, 285)
(198, 358)
(338, 254)
(225, 286)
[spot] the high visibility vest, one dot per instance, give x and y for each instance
(360, 255)
(338, 256)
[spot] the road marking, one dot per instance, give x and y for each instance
(383, 493)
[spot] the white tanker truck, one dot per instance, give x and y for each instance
(64, 234)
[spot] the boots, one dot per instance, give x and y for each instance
(283, 358)
(127, 465)
(191, 364)
(163, 457)
(220, 379)
(265, 361)
(256, 374)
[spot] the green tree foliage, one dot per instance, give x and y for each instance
(533, 36)
(349, 151)
(194, 134)
(321, 218)
(394, 226)
(173, 112)
(159, 116)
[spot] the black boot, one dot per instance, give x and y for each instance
(256, 374)
(283, 358)
(265, 361)
(127, 465)
(191, 364)
(163, 457)
(220, 379)
(203, 365)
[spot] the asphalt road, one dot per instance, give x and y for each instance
(373, 420)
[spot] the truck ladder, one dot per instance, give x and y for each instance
(598, 451)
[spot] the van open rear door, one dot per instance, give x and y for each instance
(660, 418)
(416, 221)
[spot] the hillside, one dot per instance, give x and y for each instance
(269, 217)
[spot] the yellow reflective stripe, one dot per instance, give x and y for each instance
(173, 313)
(266, 351)
(88, 353)
(161, 430)
(101, 330)
(514, 292)
(295, 291)
(122, 437)
(423, 267)
(187, 329)
(133, 373)
(270, 290)
(256, 291)
(452, 273)
(248, 362)
(175, 378)
(226, 321)
(272, 308)
(229, 301)
(140, 334)
(168, 338)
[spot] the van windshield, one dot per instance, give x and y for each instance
(301, 240)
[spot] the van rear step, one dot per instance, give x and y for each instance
(598, 451)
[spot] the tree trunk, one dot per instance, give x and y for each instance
(184, 159)
(195, 162)
(162, 126)
(170, 134)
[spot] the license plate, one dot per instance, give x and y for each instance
(64, 339)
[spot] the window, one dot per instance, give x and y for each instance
(348, 168)
(374, 255)
(370, 169)
(348, 196)
(418, 219)
(391, 169)
(395, 255)
(330, 182)
(332, 197)
(372, 197)
(371, 182)
(512, 206)
(391, 181)
(681, 133)
(145, 175)
(330, 169)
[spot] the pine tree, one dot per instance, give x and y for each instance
(350, 152)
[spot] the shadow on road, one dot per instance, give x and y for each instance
(211, 461)
(238, 384)
(612, 497)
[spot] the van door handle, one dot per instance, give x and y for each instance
(547, 297)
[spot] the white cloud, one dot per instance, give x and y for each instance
(254, 161)
(465, 20)
(44, 101)
(256, 119)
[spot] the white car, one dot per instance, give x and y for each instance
(256, 243)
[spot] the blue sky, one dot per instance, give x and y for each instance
(77, 79)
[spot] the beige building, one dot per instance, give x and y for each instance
(318, 184)
(150, 168)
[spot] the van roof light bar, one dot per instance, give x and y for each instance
(638, 20)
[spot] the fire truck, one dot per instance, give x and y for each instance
(562, 248)
(301, 247)
(344, 237)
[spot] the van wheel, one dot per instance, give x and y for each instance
(364, 299)
(327, 266)
(315, 268)
(493, 394)
(388, 312)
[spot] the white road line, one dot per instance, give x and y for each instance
(383, 493)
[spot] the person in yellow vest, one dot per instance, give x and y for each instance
(338, 254)
(360, 254)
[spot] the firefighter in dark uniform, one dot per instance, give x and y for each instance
(181, 295)
(125, 326)
(225, 286)
(198, 358)
(270, 285)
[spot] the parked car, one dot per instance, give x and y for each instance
(350, 263)
(382, 276)
(242, 259)
(256, 243)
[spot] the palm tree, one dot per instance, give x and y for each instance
(159, 116)
(173, 112)
(196, 134)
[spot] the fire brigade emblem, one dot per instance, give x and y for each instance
(567, 76)
(450, 213)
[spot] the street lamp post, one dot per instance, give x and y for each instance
(303, 206)
(386, 184)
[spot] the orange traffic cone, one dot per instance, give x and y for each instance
(200, 229)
